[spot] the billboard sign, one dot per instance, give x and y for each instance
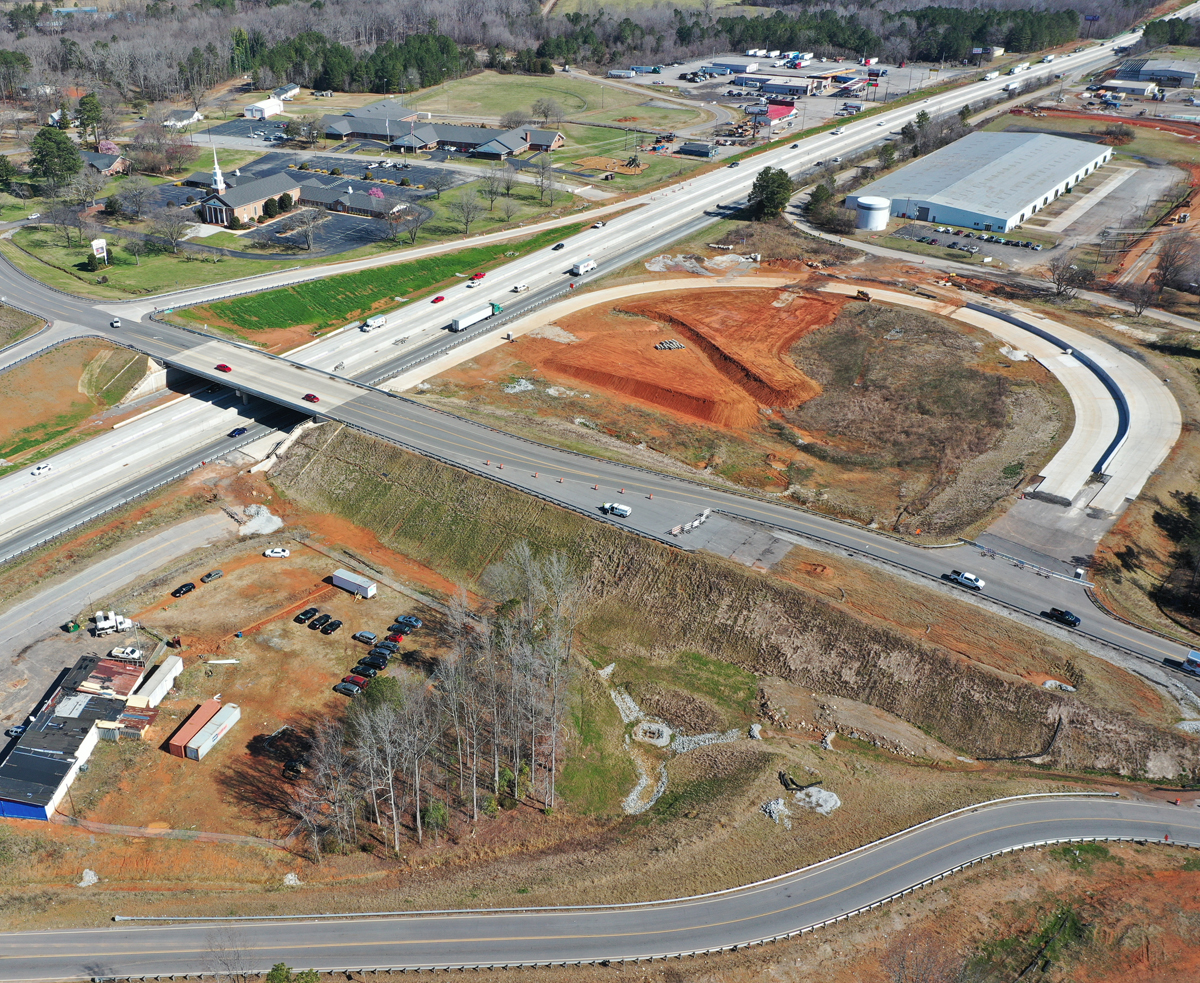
(100, 249)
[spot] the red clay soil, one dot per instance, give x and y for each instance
(1167, 126)
(734, 361)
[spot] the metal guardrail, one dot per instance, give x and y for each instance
(680, 955)
(236, 293)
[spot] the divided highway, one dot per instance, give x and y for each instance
(767, 910)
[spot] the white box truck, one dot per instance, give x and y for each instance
(1019, 68)
(582, 267)
(475, 316)
(1011, 86)
(355, 583)
(1047, 59)
(991, 75)
(371, 323)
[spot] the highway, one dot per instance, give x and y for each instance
(768, 910)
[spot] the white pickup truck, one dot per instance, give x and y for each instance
(963, 579)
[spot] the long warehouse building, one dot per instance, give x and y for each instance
(987, 181)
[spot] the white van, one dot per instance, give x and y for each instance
(616, 508)
(520, 288)
(371, 323)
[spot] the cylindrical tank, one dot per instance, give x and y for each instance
(873, 213)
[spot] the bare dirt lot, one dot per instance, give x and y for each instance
(885, 415)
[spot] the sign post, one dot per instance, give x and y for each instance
(100, 250)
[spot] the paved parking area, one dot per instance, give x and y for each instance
(1012, 255)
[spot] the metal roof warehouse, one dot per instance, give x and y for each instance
(987, 181)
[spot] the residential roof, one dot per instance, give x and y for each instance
(102, 162)
(349, 196)
(181, 116)
(995, 174)
(260, 190)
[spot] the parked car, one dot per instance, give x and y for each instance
(305, 616)
(330, 628)
(391, 648)
(398, 630)
(16, 731)
(211, 576)
(410, 619)
(222, 367)
(364, 636)
(347, 689)
(360, 681)
(364, 670)
(183, 589)
(320, 621)
(239, 432)
(374, 661)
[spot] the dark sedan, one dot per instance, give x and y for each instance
(305, 616)
(320, 621)
(183, 589)
(330, 628)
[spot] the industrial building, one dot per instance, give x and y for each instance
(987, 181)
(1130, 88)
(1166, 73)
(692, 149)
(264, 109)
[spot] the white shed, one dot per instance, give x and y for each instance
(263, 110)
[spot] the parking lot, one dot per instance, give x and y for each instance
(1008, 248)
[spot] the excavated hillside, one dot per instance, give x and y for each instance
(655, 599)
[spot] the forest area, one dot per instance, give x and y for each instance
(160, 51)
(479, 731)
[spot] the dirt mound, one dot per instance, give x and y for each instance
(733, 362)
(683, 711)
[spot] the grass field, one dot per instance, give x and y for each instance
(1147, 142)
(338, 299)
(158, 272)
(15, 324)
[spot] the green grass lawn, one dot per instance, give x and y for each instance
(15, 324)
(336, 300)
(1147, 142)
(159, 272)
(492, 94)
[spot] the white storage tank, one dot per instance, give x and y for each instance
(873, 213)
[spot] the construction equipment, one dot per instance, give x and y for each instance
(863, 295)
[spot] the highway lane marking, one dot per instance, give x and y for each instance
(364, 944)
(1139, 641)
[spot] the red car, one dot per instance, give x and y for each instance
(310, 397)
(478, 276)
(224, 368)
(360, 681)
(438, 299)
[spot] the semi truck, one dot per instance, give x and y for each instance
(475, 316)
(583, 266)
(1019, 68)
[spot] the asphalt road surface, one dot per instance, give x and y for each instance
(466, 939)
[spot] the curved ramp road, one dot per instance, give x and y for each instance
(456, 939)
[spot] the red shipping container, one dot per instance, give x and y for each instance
(192, 726)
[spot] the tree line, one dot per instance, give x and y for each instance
(481, 732)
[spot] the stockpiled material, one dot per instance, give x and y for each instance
(192, 726)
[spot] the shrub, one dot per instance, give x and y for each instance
(304, 166)
(336, 172)
(368, 176)
(236, 223)
(270, 208)
(92, 263)
(435, 816)
(261, 219)
(405, 182)
(190, 199)
(491, 808)
(285, 202)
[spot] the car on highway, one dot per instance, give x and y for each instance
(15, 731)
(597, 225)
(183, 589)
(961, 577)
(277, 553)
(42, 469)
(881, 123)
(555, 248)
(365, 636)
(239, 432)
(1062, 617)
(330, 628)
(438, 299)
(795, 146)
(312, 398)
(305, 616)
(222, 367)
(367, 672)
(320, 621)
(127, 652)
(472, 283)
(347, 689)
(616, 508)
(115, 322)
(478, 276)
(734, 163)
(835, 160)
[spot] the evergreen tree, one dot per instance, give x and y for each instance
(771, 192)
(53, 156)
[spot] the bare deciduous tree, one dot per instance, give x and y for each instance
(509, 207)
(509, 180)
(414, 223)
(306, 223)
(1139, 296)
(514, 118)
(1176, 259)
(1066, 275)
(228, 955)
(440, 181)
(135, 246)
(171, 224)
(547, 110)
(468, 208)
(84, 187)
(492, 187)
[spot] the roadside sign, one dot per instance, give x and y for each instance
(100, 249)
(977, 51)
(1091, 16)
